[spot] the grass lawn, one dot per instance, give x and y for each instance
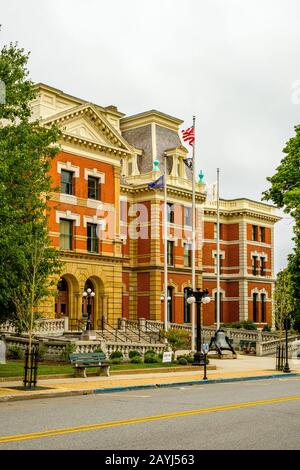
(16, 368)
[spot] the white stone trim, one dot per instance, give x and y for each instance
(68, 199)
(95, 204)
(222, 291)
(93, 219)
(259, 255)
(68, 167)
(214, 254)
(95, 173)
(68, 215)
(259, 292)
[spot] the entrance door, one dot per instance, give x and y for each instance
(62, 301)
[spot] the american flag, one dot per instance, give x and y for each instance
(189, 135)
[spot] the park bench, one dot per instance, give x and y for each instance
(82, 361)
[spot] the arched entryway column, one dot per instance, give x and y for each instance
(98, 304)
(66, 303)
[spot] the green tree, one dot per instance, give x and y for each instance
(177, 339)
(27, 262)
(285, 193)
(284, 299)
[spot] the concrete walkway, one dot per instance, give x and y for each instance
(241, 368)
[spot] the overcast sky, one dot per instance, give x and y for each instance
(234, 64)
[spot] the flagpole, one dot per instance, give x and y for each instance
(193, 237)
(218, 249)
(165, 248)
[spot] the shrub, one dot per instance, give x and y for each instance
(136, 360)
(149, 352)
(41, 351)
(115, 360)
(177, 338)
(246, 324)
(98, 350)
(116, 355)
(15, 352)
(182, 361)
(190, 359)
(133, 354)
(70, 348)
(266, 328)
(151, 359)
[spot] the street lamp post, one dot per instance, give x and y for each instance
(199, 297)
(286, 368)
(89, 294)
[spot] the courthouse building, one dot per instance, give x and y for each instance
(108, 222)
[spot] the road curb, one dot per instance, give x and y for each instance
(70, 393)
(192, 382)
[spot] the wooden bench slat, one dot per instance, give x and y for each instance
(81, 361)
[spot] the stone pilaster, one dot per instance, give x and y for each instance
(155, 294)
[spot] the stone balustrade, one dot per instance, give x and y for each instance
(268, 348)
(51, 327)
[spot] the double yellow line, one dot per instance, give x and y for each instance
(145, 419)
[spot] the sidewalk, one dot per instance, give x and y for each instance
(243, 368)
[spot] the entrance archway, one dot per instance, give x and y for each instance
(62, 300)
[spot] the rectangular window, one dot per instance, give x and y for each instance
(254, 265)
(255, 312)
(92, 238)
(187, 254)
(67, 186)
(170, 213)
(93, 188)
(221, 306)
(188, 216)
(66, 234)
(262, 234)
(263, 307)
(254, 232)
(129, 168)
(170, 248)
(262, 266)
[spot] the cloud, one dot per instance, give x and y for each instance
(231, 63)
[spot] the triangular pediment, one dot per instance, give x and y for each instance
(85, 122)
(81, 128)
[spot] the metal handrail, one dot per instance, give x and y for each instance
(80, 324)
(114, 332)
(145, 337)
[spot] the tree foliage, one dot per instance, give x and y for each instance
(27, 261)
(177, 338)
(285, 193)
(284, 300)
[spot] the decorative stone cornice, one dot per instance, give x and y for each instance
(117, 143)
(186, 194)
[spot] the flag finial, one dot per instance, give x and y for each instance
(201, 177)
(156, 165)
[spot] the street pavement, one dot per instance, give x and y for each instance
(242, 367)
(262, 414)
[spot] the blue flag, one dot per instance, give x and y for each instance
(157, 184)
